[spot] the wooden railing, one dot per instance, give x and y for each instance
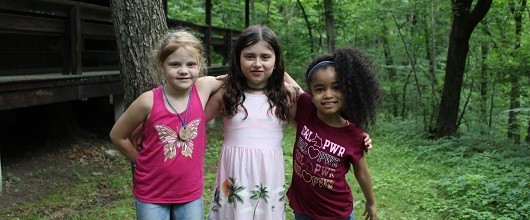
(71, 37)
(59, 50)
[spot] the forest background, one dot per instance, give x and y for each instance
(456, 81)
(453, 132)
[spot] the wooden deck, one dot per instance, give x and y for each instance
(30, 90)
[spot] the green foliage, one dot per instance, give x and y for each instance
(476, 176)
(11, 178)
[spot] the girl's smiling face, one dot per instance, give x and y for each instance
(326, 94)
(180, 69)
(257, 63)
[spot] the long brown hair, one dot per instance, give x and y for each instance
(234, 95)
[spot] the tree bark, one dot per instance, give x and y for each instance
(464, 22)
(330, 29)
(138, 26)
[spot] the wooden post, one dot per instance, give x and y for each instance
(208, 34)
(75, 40)
(119, 105)
(247, 13)
(1, 191)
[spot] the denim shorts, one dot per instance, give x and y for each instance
(192, 210)
(298, 216)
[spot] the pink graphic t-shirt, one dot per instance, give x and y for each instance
(322, 156)
(168, 169)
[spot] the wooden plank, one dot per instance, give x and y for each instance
(42, 8)
(57, 8)
(75, 43)
(32, 93)
(10, 23)
(97, 31)
(1, 190)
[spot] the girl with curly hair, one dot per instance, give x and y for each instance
(342, 100)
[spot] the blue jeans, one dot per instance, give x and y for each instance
(298, 216)
(191, 210)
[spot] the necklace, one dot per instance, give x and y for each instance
(184, 132)
(255, 89)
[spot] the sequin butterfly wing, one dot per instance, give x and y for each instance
(169, 137)
(187, 146)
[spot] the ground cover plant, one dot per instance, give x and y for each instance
(474, 176)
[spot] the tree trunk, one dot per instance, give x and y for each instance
(138, 25)
(483, 93)
(392, 73)
(308, 25)
(528, 133)
(515, 92)
(464, 22)
(330, 29)
(430, 55)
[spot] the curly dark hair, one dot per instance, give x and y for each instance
(358, 82)
(236, 83)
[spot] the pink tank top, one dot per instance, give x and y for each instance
(168, 169)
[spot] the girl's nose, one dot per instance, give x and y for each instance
(257, 64)
(183, 71)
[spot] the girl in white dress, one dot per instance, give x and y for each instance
(250, 181)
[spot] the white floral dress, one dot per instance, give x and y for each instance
(250, 181)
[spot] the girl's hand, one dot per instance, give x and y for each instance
(367, 142)
(137, 138)
(223, 77)
(293, 91)
(370, 212)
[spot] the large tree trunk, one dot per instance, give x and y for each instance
(330, 29)
(138, 25)
(464, 22)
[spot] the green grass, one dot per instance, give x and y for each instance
(470, 177)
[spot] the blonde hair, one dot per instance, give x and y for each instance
(176, 39)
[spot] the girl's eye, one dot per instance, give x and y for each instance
(192, 65)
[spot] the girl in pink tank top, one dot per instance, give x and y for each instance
(168, 174)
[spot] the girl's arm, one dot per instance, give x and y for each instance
(208, 85)
(294, 91)
(214, 104)
(135, 115)
(362, 174)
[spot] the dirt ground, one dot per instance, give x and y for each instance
(33, 171)
(37, 158)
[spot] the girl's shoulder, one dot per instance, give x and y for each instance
(146, 99)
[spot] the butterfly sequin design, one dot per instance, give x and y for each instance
(171, 140)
